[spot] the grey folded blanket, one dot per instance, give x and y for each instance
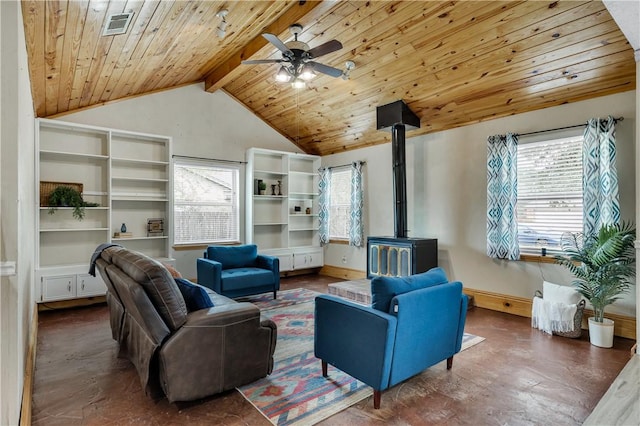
(96, 254)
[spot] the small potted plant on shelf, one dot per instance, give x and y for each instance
(262, 187)
(603, 266)
(66, 196)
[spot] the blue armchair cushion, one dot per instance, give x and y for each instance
(383, 289)
(195, 296)
(233, 256)
(243, 278)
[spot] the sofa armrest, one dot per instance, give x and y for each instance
(430, 328)
(356, 339)
(268, 262)
(217, 349)
(209, 274)
(273, 264)
(223, 315)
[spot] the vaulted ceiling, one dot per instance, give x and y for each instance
(454, 63)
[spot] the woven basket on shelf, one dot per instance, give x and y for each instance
(46, 188)
(577, 320)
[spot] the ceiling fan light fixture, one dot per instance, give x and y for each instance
(307, 72)
(283, 76)
(298, 84)
(348, 67)
(221, 30)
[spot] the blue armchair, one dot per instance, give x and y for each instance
(236, 271)
(413, 323)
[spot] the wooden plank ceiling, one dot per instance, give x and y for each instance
(454, 63)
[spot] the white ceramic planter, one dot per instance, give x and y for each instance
(601, 333)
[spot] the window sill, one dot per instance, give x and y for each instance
(187, 247)
(345, 242)
(537, 258)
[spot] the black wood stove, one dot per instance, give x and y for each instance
(399, 255)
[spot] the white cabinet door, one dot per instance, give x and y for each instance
(286, 262)
(89, 285)
(305, 259)
(58, 288)
(300, 261)
(316, 259)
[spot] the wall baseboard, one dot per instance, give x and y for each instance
(344, 273)
(72, 303)
(624, 326)
(299, 272)
(29, 371)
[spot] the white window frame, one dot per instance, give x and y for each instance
(542, 237)
(234, 203)
(333, 204)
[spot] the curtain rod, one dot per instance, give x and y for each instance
(562, 128)
(345, 165)
(209, 159)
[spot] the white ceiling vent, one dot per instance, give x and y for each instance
(117, 23)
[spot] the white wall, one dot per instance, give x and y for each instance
(210, 125)
(446, 187)
(637, 56)
(17, 217)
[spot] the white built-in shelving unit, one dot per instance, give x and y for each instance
(284, 222)
(127, 173)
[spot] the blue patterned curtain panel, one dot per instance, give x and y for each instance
(356, 230)
(324, 203)
(502, 194)
(600, 181)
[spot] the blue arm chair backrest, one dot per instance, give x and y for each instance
(383, 289)
(233, 256)
(430, 328)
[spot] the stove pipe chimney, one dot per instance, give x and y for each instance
(398, 117)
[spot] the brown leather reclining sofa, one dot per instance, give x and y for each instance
(185, 355)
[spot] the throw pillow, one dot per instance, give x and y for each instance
(174, 273)
(560, 293)
(384, 289)
(195, 296)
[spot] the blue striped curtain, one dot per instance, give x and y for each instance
(600, 181)
(324, 203)
(356, 228)
(502, 195)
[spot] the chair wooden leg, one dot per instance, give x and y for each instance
(376, 399)
(324, 369)
(449, 363)
(274, 294)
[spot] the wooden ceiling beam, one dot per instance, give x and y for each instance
(226, 71)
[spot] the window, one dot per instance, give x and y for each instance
(549, 193)
(206, 202)
(340, 204)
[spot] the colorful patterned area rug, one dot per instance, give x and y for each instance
(295, 393)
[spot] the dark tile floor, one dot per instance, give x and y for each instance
(517, 376)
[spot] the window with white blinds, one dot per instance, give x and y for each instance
(340, 204)
(206, 202)
(549, 193)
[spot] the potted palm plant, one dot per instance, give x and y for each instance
(603, 266)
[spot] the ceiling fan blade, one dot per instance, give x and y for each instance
(262, 61)
(326, 69)
(273, 39)
(323, 49)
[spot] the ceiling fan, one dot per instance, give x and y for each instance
(298, 60)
